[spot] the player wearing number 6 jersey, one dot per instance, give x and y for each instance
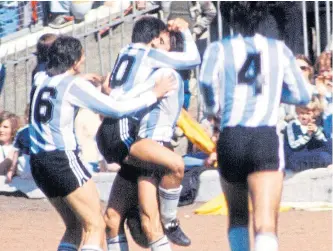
(56, 167)
(243, 79)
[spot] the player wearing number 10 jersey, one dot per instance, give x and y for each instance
(137, 62)
(243, 80)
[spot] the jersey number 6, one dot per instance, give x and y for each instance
(44, 107)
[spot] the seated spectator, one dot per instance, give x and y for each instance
(61, 12)
(287, 112)
(43, 44)
(9, 123)
(305, 143)
(21, 146)
(324, 87)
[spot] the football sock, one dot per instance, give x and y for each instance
(91, 248)
(65, 246)
(160, 245)
(239, 238)
(169, 199)
(266, 242)
(118, 243)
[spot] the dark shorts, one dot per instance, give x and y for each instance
(58, 173)
(132, 173)
(114, 138)
(244, 150)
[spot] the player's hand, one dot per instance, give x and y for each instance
(94, 78)
(164, 84)
(177, 24)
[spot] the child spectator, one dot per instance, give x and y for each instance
(43, 44)
(21, 156)
(9, 123)
(306, 145)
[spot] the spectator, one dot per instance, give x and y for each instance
(306, 145)
(61, 12)
(43, 44)
(306, 67)
(21, 147)
(9, 123)
(324, 86)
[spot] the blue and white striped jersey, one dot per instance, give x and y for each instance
(158, 124)
(136, 62)
(56, 101)
(244, 79)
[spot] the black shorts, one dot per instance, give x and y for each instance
(114, 138)
(132, 173)
(244, 150)
(58, 173)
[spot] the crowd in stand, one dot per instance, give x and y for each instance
(307, 131)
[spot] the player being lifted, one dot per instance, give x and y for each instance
(243, 79)
(135, 63)
(56, 96)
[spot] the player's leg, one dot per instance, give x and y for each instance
(71, 240)
(232, 159)
(122, 197)
(265, 186)
(150, 215)
(84, 202)
(236, 195)
(265, 189)
(146, 150)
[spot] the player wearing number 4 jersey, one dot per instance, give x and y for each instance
(57, 95)
(136, 63)
(243, 79)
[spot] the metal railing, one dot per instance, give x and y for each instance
(101, 39)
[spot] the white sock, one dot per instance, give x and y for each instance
(91, 248)
(160, 245)
(169, 199)
(118, 243)
(65, 246)
(266, 242)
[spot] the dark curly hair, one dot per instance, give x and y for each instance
(146, 29)
(63, 54)
(246, 16)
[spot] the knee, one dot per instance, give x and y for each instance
(178, 168)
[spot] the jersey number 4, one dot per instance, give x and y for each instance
(250, 72)
(43, 106)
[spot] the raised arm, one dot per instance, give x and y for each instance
(296, 89)
(209, 78)
(187, 59)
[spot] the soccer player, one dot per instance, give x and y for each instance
(135, 63)
(57, 95)
(243, 79)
